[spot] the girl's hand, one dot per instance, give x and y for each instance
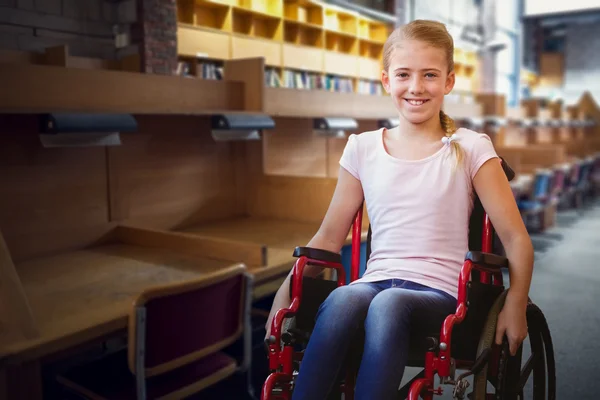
(512, 321)
(281, 300)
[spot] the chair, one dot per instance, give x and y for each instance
(177, 335)
(465, 340)
(534, 209)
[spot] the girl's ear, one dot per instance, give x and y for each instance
(450, 82)
(385, 81)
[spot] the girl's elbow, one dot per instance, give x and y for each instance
(520, 242)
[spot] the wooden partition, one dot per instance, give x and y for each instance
(172, 173)
(50, 199)
(293, 149)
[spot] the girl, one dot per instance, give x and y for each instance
(417, 181)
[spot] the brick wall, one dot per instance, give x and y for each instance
(88, 27)
(156, 32)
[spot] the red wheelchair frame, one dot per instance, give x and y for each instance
(281, 360)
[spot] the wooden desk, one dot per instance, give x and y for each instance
(85, 295)
(82, 295)
(280, 238)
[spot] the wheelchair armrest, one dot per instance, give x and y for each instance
(318, 254)
(487, 259)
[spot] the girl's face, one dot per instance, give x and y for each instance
(418, 80)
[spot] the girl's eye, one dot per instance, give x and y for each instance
(402, 75)
(430, 75)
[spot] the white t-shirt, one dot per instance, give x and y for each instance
(419, 210)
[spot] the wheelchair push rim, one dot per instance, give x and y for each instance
(513, 377)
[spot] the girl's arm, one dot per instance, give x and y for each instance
(347, 198)
(497, 199)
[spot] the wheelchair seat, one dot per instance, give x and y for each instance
(464, 341)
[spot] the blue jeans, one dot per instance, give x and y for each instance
(386, 309)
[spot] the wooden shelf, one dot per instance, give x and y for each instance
(304, 11)
(371, 30)
(341, 42)
(340, 20)
(303, 34)
(202, 42)
(306, 35)
(245, 47)
(347, 41)
(35, 89)
(256, 24)
(370, 49)
(212, 15)
(268, 7)
(340, 64)
(319, 103)
(369, 69)
(302, 57)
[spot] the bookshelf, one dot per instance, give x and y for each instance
(307, 44)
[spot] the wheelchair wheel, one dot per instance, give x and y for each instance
(512, 377)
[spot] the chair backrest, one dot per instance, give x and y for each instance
(542, 184)
(476, 221)
(176, 324)
(558, 180)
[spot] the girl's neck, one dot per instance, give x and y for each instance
(428, 131)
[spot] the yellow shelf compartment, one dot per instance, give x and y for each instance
(202, 42)
(374, 31)
(341, 42)
(249, 47)
(205, 13)
(257, 24)
(303, 11)
(303, 33)
(471, 58)
(465, 62)
(370, 49)
(273, 8)
(302, 57)
(338, 19)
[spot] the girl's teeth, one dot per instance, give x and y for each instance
(415, 102)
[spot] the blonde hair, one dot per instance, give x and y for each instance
(434, 34)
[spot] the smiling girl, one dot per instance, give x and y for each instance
(418, 181)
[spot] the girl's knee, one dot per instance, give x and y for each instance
(350, 298)
(390, 305)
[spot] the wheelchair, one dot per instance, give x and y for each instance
(465, 341)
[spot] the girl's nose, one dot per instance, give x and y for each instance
(416, 85)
